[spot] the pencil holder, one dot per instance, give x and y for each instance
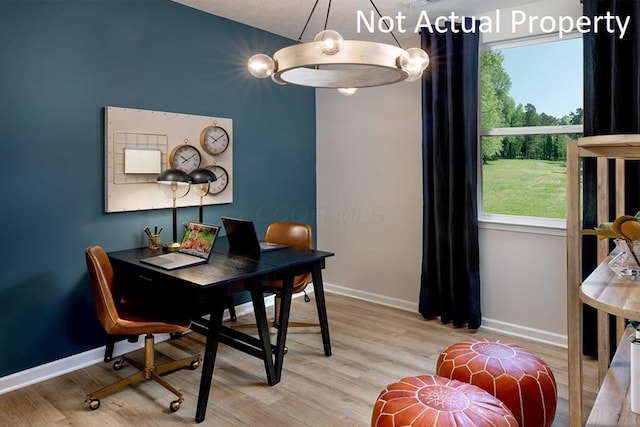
(154, 242)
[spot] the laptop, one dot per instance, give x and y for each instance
(243, 239)
(195, 248)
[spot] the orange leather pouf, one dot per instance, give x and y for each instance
(513, 374)
(432, 401)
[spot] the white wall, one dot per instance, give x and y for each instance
(523, 281)
(369, 174)
(369, 178)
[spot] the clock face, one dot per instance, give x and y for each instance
(214, 140)
(222, 179)
(185, 157)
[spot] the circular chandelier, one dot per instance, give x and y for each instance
(329, 61)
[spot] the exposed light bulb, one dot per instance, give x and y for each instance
(261, 65)
(413, 75)
(329, 42)
(348, 91)
(418, 60)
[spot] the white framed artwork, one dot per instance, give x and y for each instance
(139, 144)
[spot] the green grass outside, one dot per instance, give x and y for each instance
(525, 187)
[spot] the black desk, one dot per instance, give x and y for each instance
(211, 282)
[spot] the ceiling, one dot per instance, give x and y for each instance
(287, 17)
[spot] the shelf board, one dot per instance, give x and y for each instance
(612, 407)
(610, 146)
(628, 140)
(604, 290)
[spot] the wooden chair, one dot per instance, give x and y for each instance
(119, 316)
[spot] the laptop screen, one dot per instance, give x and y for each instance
(242, 237)
(198, 239)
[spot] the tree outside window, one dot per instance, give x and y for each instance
(524, 148)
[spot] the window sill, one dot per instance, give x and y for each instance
(523, 224)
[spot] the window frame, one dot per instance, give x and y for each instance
(526, 224)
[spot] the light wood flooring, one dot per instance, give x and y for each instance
(373, 346)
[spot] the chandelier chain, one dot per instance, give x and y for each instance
(326, 21)
(326, 18)
(385, 24)
(306, 24)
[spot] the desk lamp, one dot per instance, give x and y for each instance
(174, 183)
(201, 179)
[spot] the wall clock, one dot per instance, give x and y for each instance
(185, 157)
(222, 179)
(214, 139)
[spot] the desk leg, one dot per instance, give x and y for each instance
(318, 291)
(211, 348)
(283, 322)
(262, 323)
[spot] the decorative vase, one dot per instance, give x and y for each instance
(623, 263)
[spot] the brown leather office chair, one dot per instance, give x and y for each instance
(119, 316)
(294, 234)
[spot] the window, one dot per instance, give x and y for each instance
(531, 105)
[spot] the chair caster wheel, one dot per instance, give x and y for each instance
(195, 364)
(118, 364)
(174, 406)
(94, 404)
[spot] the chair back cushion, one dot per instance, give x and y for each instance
(294, 234)
(122, 316)
(101, 275)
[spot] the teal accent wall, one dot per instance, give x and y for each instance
(61, 63)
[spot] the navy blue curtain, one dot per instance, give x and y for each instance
(450, 280)
(611, 106)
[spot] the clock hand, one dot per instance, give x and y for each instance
(188, 158)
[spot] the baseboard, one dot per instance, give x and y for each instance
(533, 334)
(487, 323)
(91, 357)
(68, 364)
(371, 297)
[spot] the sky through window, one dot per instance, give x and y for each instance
(547, 75)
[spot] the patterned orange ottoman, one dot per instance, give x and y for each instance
(432, 401)
(513, 374)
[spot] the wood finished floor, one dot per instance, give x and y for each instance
(373, 346)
